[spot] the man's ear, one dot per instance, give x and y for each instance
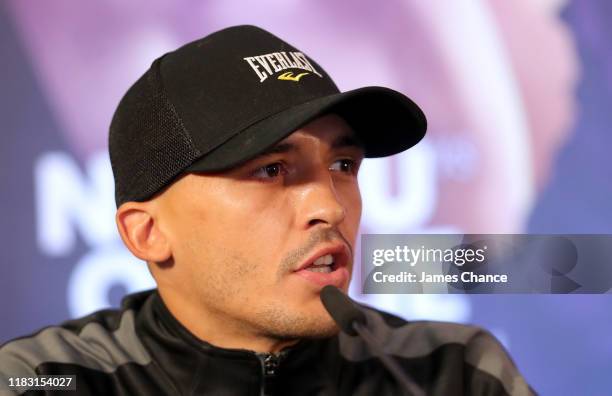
(141, 233)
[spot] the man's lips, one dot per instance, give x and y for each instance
(340, 252)
(339, 274)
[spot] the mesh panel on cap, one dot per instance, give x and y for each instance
(148, 143)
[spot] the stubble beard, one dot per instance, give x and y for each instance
(280, 321)
(272, 319)
(281, 324)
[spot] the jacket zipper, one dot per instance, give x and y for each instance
(269, 366)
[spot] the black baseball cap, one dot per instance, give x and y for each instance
(221, 100)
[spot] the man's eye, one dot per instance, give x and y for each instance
(345, 165)
(270, 171)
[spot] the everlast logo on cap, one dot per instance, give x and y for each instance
(268, 64)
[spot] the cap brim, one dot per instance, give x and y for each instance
(386, 121)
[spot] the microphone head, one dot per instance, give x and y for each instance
(342, 309)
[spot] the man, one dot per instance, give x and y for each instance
(235, 160)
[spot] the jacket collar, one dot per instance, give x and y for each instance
(193, 364)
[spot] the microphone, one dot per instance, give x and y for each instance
(342, 309)
(352, 321)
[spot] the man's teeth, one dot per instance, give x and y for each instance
(324, 260)
(323, 269)
(322, 264)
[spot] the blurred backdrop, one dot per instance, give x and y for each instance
(518, 100)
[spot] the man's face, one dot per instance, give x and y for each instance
(241, 239)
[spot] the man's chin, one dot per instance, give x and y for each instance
(306, 333)
(322, 331)
(298, 325)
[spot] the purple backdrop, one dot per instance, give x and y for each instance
(517, 95)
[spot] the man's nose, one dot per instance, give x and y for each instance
(320, 203)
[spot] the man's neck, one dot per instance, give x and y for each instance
(219, 330)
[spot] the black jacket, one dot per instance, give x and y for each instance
(142, 349)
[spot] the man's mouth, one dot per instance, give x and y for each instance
(328, 265)
(323, 264)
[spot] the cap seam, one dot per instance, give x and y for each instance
(155, 67)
